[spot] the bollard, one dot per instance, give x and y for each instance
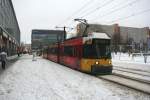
(33, 59)
(145, 58)
(132, 56)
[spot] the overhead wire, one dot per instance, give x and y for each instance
(97, 8)
(118, 9)
(77, 11)
(109, 8)
(132, 15)
(82, 10)
(102, 6)
(108, 13)
(105, 4)
(86, 5)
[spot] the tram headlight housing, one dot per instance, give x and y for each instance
(96, 62)
(109, 62)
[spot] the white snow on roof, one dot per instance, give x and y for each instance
(98, 35)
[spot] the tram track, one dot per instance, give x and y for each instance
(128, 81)
(132, 69)
(142, 76)
(133, 72)
(133, 78)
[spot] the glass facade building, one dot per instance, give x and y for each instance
(8, 20)
(43, 38)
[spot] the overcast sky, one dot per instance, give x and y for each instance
(46, 14)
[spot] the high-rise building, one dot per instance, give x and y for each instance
(43, 38)
(120, 35)
(9, 28)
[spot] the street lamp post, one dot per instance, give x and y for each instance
(64, 31)
(64, 28)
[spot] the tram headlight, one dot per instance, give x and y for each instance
(96, 62)
(109, 62)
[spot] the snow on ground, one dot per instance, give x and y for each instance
(124, 57)
(45, 80)
(124, 60)
(12, 57)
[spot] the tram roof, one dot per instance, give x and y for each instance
(98, 35)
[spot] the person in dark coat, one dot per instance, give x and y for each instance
(3, 57)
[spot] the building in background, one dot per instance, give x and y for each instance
(149, 41)
(121, 37)
(26, 48)
(9, 28)
(43, 38)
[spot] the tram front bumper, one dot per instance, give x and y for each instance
(101, 69)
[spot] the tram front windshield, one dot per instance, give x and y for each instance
(98, 49)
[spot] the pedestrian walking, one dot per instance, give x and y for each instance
(3, 56)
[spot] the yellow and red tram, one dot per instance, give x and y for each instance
(89, 54)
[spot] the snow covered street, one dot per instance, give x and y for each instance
(45, 80)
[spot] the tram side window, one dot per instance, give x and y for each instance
(53, 50)
(61, 51)
(78, 51)
(68, 51)
(49, 50)
(56, 50)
